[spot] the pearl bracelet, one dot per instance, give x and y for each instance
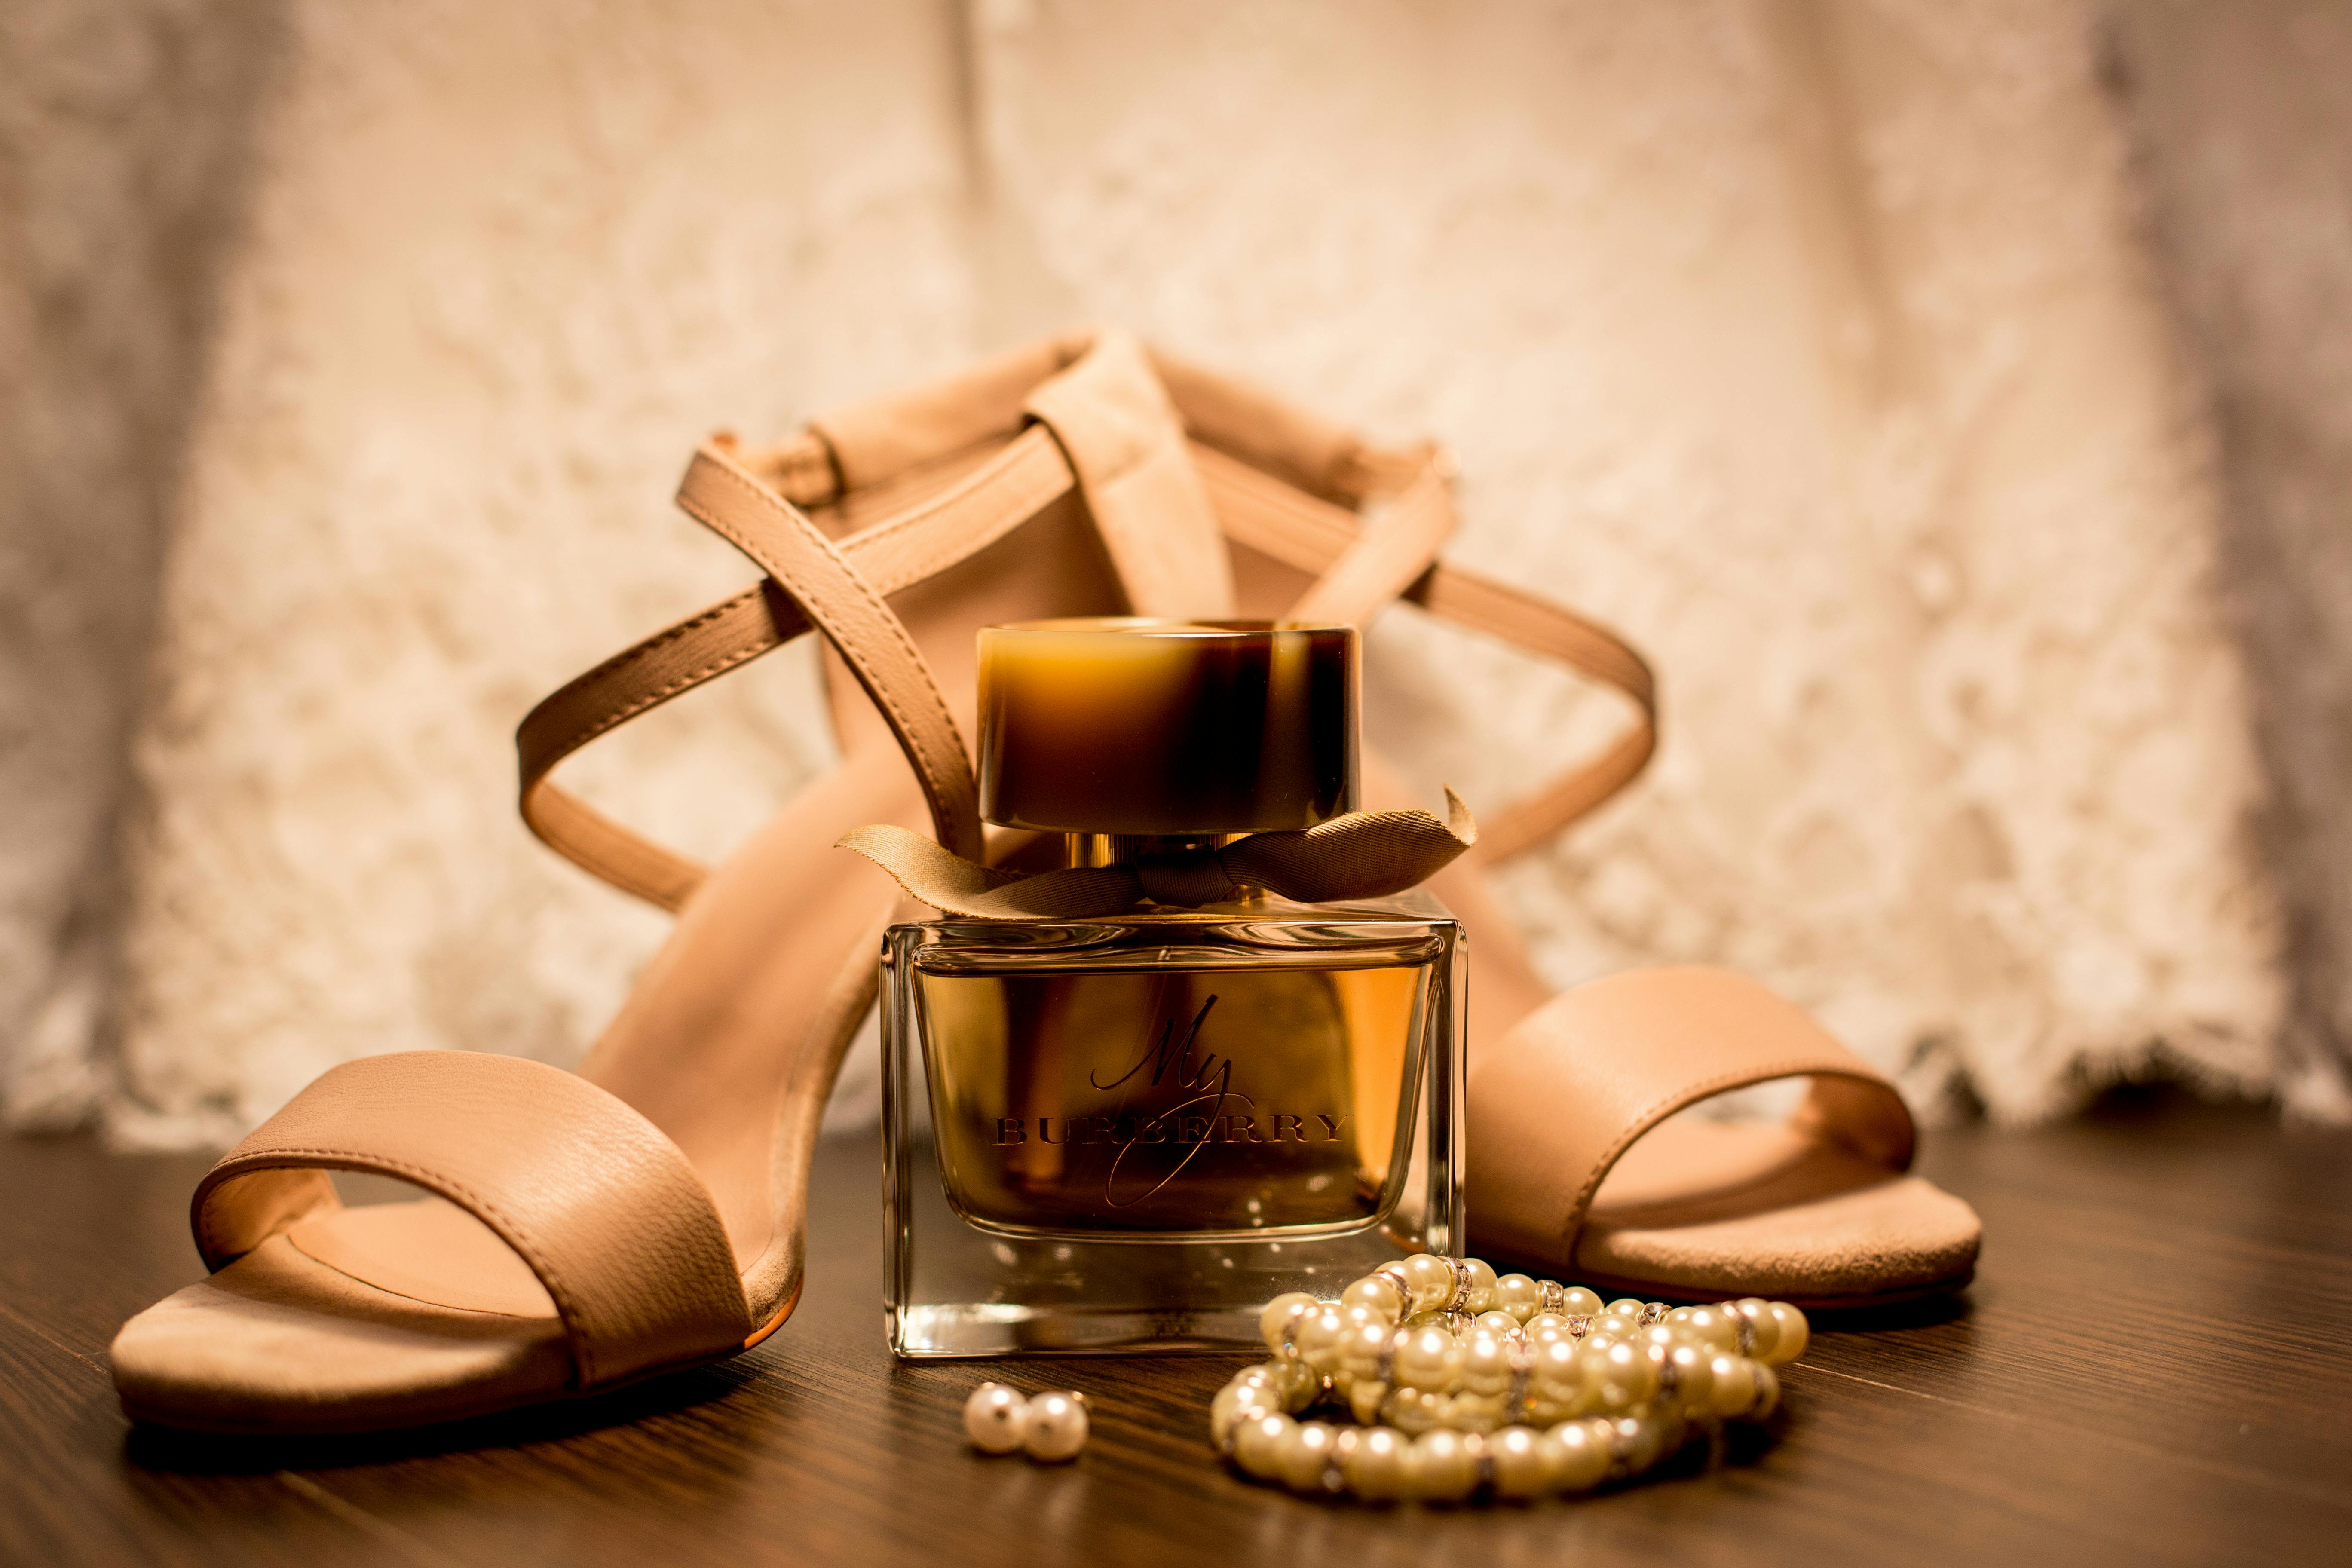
(1460, 1380)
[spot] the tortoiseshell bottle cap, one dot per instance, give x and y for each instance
(1189, 728)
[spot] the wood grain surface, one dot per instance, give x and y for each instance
(2154, 1366)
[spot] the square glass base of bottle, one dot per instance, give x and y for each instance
(963, 1292)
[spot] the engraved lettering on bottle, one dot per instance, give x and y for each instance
(1212, 1111)
(1166, 1056)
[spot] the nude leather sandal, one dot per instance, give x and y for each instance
(647, 1213)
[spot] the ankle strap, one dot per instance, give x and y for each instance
(848, 584)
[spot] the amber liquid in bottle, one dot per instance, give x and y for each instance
(1149, 1099)
(1134, 1133)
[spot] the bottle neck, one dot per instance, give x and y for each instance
(1119, 848)
(1087, 849)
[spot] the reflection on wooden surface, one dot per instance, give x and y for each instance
(2150, 1369)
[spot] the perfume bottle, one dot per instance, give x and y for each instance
(1133, 1132)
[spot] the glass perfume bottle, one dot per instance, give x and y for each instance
(1133, 1132)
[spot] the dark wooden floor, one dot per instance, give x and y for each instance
(2154, 1366)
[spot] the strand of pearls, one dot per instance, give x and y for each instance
(1459, 1380)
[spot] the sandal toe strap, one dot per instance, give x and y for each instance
(606, 1210)
(1579, 1081)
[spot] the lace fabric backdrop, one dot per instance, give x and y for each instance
(1900, 375)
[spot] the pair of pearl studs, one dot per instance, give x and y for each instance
(1052, 1427)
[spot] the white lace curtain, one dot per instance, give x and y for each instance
(1833, 348)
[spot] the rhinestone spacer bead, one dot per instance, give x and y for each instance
(1461, 1267)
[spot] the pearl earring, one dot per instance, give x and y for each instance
(1050, 1427)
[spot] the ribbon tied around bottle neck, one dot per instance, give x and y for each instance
(1361, 855)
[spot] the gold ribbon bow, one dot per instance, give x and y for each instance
(1362, 854)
